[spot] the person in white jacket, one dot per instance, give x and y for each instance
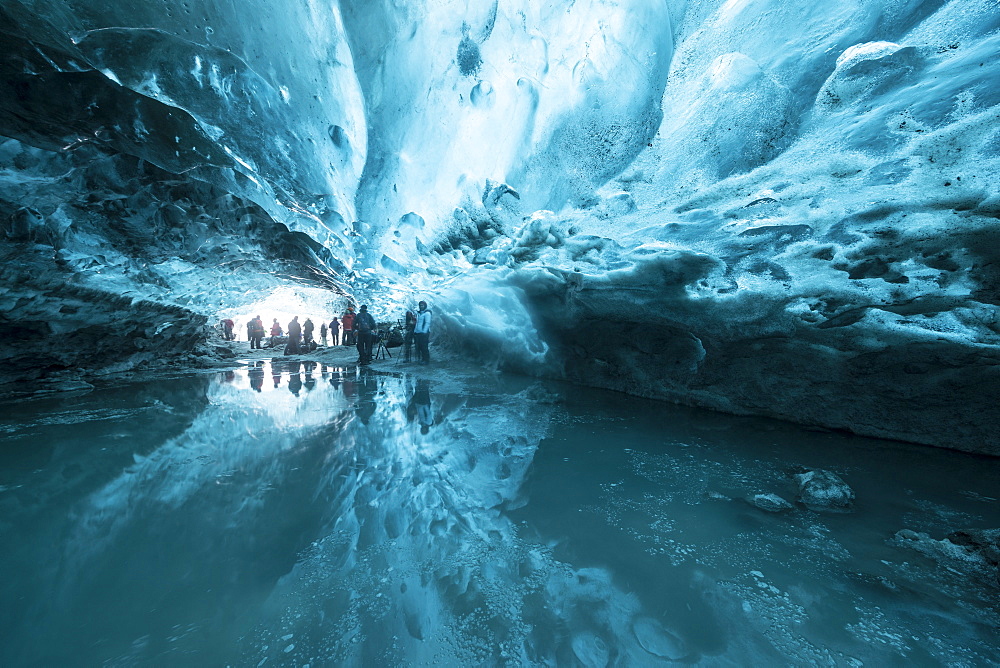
(422, 333)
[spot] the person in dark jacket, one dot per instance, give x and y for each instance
(294, 336)
(307, 333)
(364, 329)
(410, 321)
(335, 331)
(255, 332)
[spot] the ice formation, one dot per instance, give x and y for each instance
(786, 209)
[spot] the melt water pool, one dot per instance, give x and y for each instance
(294, 515)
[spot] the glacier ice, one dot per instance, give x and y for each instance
(785, 209)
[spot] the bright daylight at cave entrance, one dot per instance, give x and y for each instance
(499, 333)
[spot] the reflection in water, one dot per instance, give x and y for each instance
(420, 406)
(256, 374)
(310, 382)
(362, 518)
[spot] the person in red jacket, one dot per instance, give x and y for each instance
(255, 332)
(275, 331)
(347, 320)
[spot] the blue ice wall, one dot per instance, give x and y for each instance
(783, 208)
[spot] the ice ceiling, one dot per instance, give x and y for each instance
(781, 208)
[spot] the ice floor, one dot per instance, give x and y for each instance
(303, 515)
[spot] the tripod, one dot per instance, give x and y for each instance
(381, 352)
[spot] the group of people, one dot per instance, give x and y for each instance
(255, 332)
(362, 328)
(351, 329)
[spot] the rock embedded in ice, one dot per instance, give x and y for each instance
(772, 503)
(824, 490)
(983, 545)
(982, 541)
(973, 552)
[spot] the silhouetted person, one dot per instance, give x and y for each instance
(323, 329)
(307, 334)
(227, 327)
(364, 328)
(255, 330)
(335, 332)
(422, 333)
(409, 322)
(294, 336)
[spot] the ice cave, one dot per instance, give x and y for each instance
(713, 333)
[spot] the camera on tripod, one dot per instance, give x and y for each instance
(385, 337)
(380, 336)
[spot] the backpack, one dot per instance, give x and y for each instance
(395, 338)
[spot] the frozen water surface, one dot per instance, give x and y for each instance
(294, 515)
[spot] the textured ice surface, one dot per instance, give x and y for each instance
(811, 234)
(776, 208)
(298, 514)
(554, 98)
(195, 89)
